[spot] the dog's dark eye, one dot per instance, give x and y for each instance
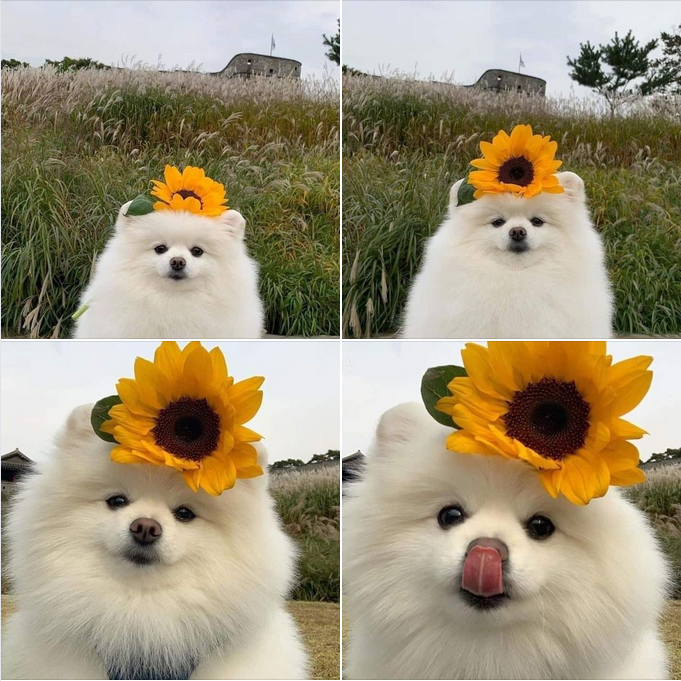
(450, 515)
(197, 252)
(184, 514)
(117, 501)
(537, 222)
(161, 249)
(540, 527)
(499, 222)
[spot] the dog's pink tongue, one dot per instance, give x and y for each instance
(482, 574)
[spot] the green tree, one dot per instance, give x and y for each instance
(331, 455)
(618, 71)
(14, 64)
(333, 43)
(70, 64)
(667, 455)
(286, 463)
(668, 66)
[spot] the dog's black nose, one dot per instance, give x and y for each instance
(145, 530)
(178, 263)
(516, 233)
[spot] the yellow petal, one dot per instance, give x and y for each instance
(192, 177)
(464, 443)
(630, 476)
(620, 428)
(584, 478)
(476, 361)
(243, 434)
(216, 476)
(630, 394)
(173, 179)
(168, 358)
(246, 386)
(160, 191)
(191, 205)
(247, 406)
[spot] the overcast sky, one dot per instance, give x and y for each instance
(381, 375)
(42, 381)
(178, 33)
(463, 39)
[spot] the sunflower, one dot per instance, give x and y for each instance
(184, 410)
(522, 164)
(190, 191)
(556, 405)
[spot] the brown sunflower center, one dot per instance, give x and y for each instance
(517, 170)
(186, 193)
(550, 417)
(188, 429)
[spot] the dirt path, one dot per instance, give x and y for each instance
(320, 625)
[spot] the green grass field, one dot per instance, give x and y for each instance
(77, 146)
(660, 499)
(405, 143)
(308, 502)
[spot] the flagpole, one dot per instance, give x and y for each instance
(272, 40)
(520, 58)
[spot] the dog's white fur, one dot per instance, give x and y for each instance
(217, 594)
(471, 286)
(131, 295)
(585, 602)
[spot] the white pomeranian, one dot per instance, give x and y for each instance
(510, 267)
(174, 275)
(460, 566)
(122, 572)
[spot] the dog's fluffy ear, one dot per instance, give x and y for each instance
(122, 220)
(262, 455)
(234, 222)
(454, 194)
(572, 184)
(78, 426)
(400, 423)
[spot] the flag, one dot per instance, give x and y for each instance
(522, 63)
(272, 44)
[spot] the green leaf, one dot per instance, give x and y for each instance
(100, 413)
(434, 386)
(465, 193)
(141, 205)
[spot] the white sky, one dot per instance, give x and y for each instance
(463, 39)
(42, 381)
(381, 375)
(178, 33)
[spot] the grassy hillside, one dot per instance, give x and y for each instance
(660, 498)
(77, 146)
(309, 505)
(405, 143)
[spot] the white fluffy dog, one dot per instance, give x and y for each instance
(509, 267)
(205, 600)
(462, 567)
(174, 275)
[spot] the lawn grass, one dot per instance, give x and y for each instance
(405, 143)
(320, 625)
(671, 630)
(76, 146)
